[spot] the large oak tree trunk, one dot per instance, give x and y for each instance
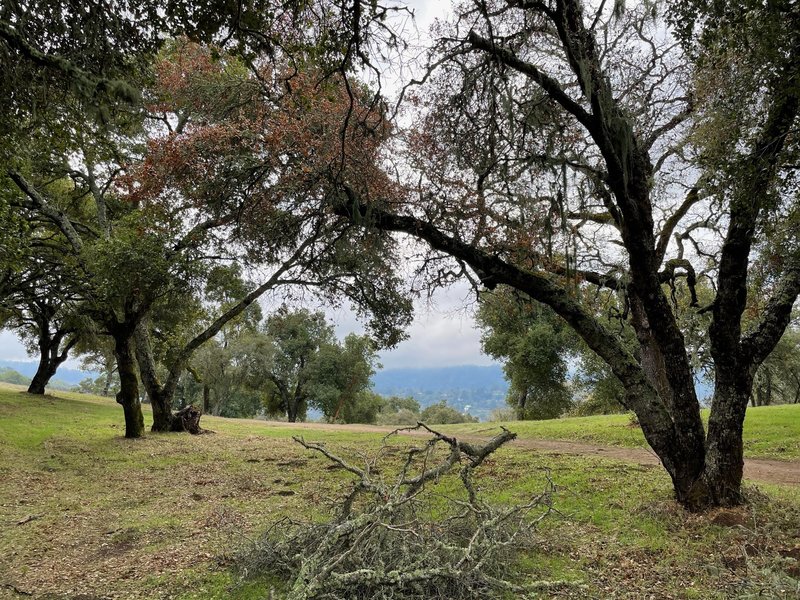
(128, 395)
(291, 412)
(44, 372)
(523, 399)
(163, 418)
(706, 468)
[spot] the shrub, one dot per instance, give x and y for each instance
(442, 414)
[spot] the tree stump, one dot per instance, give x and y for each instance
(188, 419)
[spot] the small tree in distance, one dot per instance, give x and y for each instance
(535, 345)
(297, 363)
(442, 414)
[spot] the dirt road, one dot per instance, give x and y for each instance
(756, 469)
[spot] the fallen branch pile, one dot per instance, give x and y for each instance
(383, 542)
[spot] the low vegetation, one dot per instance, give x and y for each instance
(88, 513)
(769, 431)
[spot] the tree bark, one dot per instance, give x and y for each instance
(51, 356)
(721, 482)
(44, 372)
(523, 398)
(128, 395)
(651, 357)
(291, 412)
(164, 420)
(294, 403)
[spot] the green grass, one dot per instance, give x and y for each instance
(84, 511)
(769, 431)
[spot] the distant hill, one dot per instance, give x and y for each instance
(8, 375)
(64, 377)
(482, 389)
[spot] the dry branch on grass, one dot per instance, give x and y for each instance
(382, 541)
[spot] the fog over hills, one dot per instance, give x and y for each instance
(481, 388)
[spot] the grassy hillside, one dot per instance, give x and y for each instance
(14, 377)
(769, 431)
(85, 513)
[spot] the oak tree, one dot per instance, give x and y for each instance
(553, 126)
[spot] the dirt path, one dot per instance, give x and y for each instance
(756, 469)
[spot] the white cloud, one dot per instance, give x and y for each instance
(438, 340)
(443, 333)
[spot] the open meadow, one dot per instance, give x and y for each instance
(87, 514)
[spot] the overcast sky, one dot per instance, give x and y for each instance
(443, 333)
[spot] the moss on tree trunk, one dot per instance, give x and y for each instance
(128, 395)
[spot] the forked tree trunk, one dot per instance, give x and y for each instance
(164, 420)
(706, 468)
(50, 358)
(128, 395)
(161, 395)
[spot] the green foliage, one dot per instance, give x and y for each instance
(291, 363)
(14, 240)
(777, 380)
(396, 404)
(134, 267)
(535, 345)
(223, 368)
(402, 417)
(364, 407)
(398, 411)
(602, 392)
(99, 386)
(339, 376)
(442, 414)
